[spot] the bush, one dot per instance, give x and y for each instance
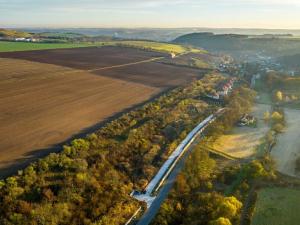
(220, 221)
(278, 128)
(229, 207)
(276, 116)
(80, 144)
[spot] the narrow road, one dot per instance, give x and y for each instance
(122, 65)
(165, 189)
(109, 67)
(135, 63)
(166, 176)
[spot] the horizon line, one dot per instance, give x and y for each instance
(136, 28)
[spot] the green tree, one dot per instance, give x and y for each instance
(276, 116)
(80, 144)
(229, 208)
(220, 221)
(279, 96)
(267, 116)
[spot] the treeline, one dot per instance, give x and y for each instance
(238, 103)
(232, 43)
(275, 80)
(194, 199)
(90, 180)
(211, 193)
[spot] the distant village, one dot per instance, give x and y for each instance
(20, 39)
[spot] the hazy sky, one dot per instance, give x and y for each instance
(150, 13)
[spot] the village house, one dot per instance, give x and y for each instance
(20, 39)
(222, 89)
(26, 39)
(246, 120)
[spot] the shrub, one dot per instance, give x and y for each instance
(278, 128)
(80, 144)
(276, 116)
(220, 221)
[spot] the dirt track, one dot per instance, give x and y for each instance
(153, 74)
(84, 58)
(287, 148)
(45, 104)
(105, 62)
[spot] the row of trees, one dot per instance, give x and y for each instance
(275, 80)
(90, 180)
(194, 199)
(205, 194)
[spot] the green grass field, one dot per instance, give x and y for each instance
(201, 64)
(277, 206)
(13, 33)
(6, 46)
(155, 46)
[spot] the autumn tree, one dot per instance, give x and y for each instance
(279, 96)
(220, 221)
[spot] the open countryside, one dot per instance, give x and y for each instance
(242, 142)
(277, 206)
(6, 46)
(149, 112)
(53, 99)
(21, 46)
(31, 109)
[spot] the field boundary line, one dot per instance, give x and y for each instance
(126, 64)
(220, 153)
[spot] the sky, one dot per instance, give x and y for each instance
(275, 14)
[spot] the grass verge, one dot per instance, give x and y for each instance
(277, 206)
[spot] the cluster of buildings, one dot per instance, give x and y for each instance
(223, 89)
(224, 67)
(246, 120)
(22, 39)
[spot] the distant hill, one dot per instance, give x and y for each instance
(67, 35)
(52, 37)
(5, 33)
(220, 42)
(159, 34)
(274, 45)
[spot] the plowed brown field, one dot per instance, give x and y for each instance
(84, 58)
(44, 104)
(48, 98)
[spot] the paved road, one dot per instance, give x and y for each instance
(165, 189)
(167, 185)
